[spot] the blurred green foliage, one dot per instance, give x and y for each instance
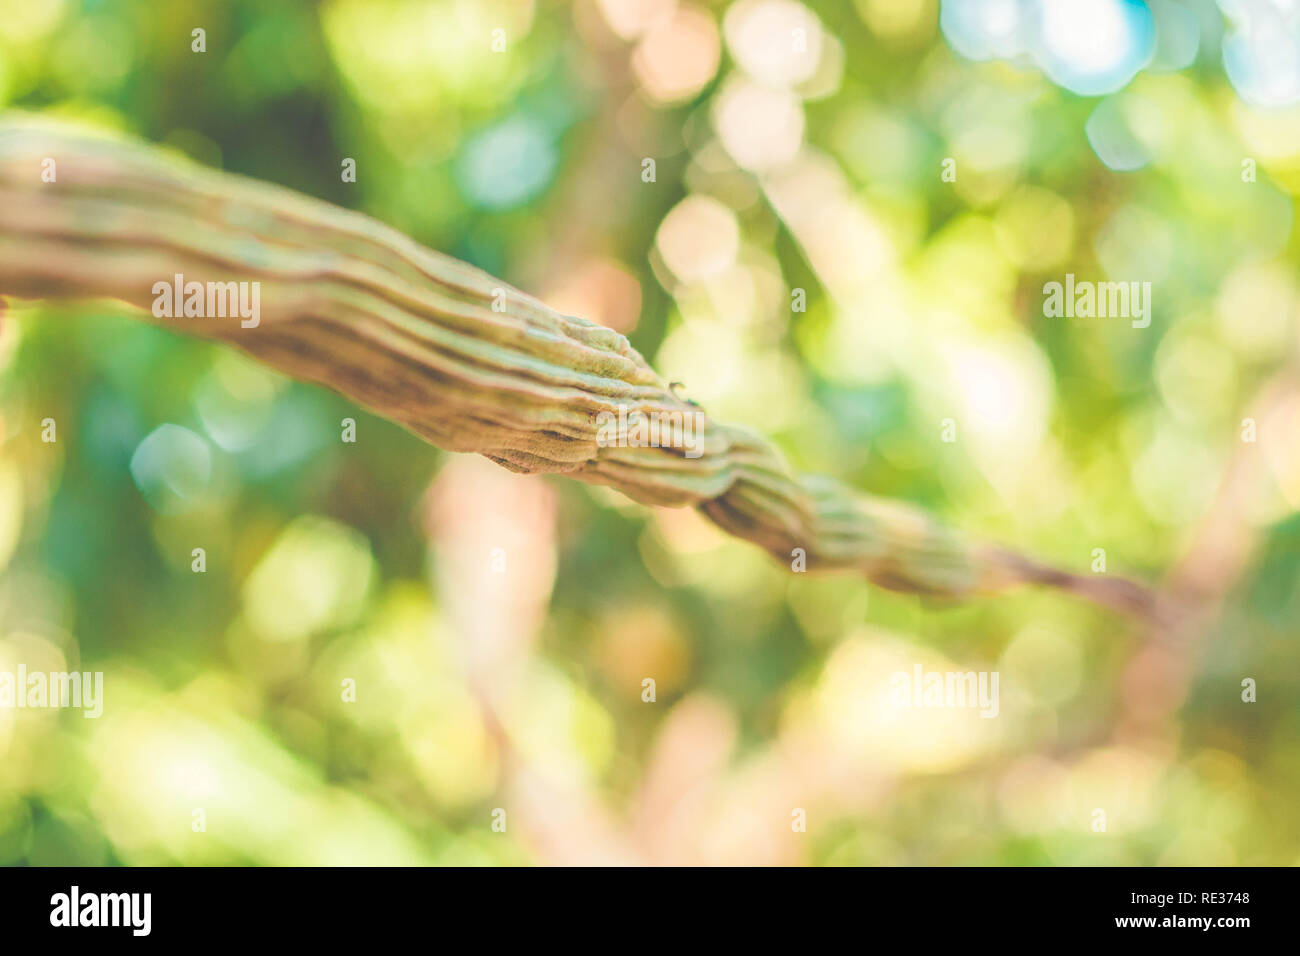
(329, 562)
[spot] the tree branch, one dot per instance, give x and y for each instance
(412, 334)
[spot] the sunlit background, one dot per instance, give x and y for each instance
(499, 629)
